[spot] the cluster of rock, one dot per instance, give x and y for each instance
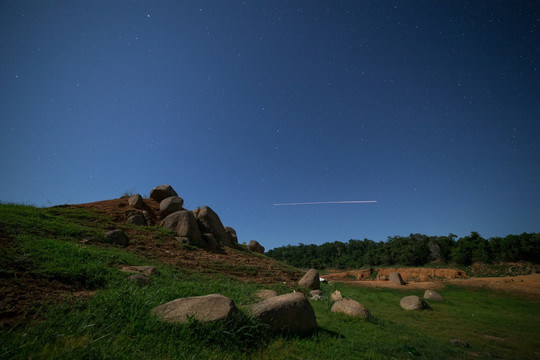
(201, 227)
(414, 302)
(290, 313)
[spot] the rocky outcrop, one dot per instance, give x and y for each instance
(433, 295)
(116, 237)
(350, 307)
(170, 205)
(202, 308)
(209, 222)
(183, 224)
(310, 280)
(395, 278)
(255, 247)
(290, 313)
(162, 192)
(413, 302)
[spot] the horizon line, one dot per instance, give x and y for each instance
(326, 202)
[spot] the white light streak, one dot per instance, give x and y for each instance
(326, 202)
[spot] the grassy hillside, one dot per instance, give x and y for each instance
(63, 297)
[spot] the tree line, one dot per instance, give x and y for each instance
(412, 250)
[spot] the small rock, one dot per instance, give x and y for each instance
(266, 294)
(350, 307)
(395, 278)
(311, 280)
(336, 296)
(139, 279)
(136, 201)
(232, 235)
(162, 192)
(203, 308)
(413, 302)
(148, 218)
(316, 294)
(459, 342)
(143, 270)
(116, 237)
(433, 295)
(170, 205)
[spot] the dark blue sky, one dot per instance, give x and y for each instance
(430, 108)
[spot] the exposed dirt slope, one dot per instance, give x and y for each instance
(241, 264)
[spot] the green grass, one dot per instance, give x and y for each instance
(116, 322)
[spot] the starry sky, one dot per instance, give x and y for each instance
(431, 108)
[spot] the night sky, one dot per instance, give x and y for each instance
(431, 108)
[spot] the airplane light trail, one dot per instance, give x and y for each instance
(327, 202)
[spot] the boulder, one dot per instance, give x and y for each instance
(290, 313)
(266, 294)
(395, 278)
(433, 295)
(232, 235)
(135, 218)
(209, 222)
(413, 302)
(148, 218)
(350, 307)
(311, 280)
(116, 237)
(136, 201)
(170, 205)
(209, 242)
(139, 279)
(336, 296)
(161, 192)
(203, 308)
(183, 224)
(255, 247)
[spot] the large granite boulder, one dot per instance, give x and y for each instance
(290, 313)
(116, 237)
(350, 307)
(413, 302)
(311, 280)
(183, 224)
(395, 278)
(170, 205)
(433, 295)
(209, 222)
(203, 308)
(161, 192)
(255, 247)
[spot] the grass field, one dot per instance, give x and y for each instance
(113, 320)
